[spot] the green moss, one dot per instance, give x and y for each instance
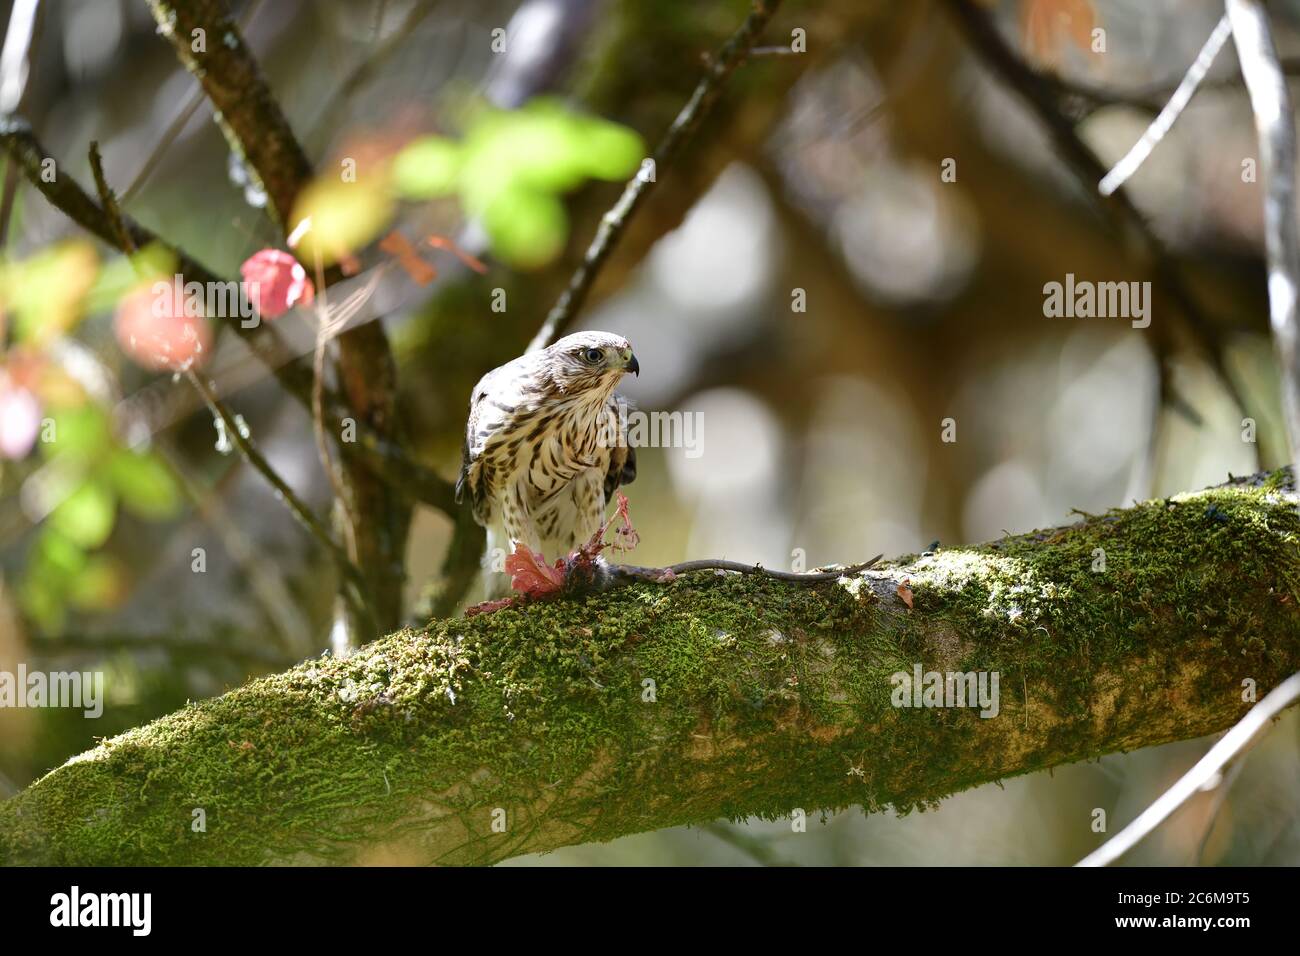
(766, 697)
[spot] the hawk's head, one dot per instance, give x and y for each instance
(589, 360)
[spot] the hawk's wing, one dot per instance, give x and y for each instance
(495, 403)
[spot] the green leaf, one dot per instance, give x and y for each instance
(80, 432)
(86, 516)
(124, 273)
(144, 484)
(610, 151)
(512, 167)
(427, 168)
(57, 555)
(345, 216)
(43, 603)
(538, 148)
(527, 228)
(46, 291)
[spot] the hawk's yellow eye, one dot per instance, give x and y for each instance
(593, 356)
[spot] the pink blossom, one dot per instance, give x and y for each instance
(157, 334)
(20, 421)
(276, 282)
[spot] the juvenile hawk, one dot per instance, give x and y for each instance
(545, 446)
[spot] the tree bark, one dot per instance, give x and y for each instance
(718, 695)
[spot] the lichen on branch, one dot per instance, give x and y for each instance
(717, 695)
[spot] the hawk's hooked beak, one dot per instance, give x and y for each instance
(632, 365)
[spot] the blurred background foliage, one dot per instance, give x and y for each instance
(821, 439)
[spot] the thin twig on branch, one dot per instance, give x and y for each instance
(614, 222)
(291, 370)
(1133, 159)
(354, 589)
(63, 192)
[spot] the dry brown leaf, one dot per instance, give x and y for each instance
(398, 246)
(1046, 23)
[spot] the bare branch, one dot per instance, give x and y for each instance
(354, 590)
(246, 110)
(1207, 768)
(1164, 122)
(1274, 121)
(259, 134)
(187, 109)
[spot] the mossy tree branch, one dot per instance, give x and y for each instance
(767, 697)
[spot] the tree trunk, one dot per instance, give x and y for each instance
(652, 706)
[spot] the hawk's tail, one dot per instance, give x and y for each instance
(494, 582)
